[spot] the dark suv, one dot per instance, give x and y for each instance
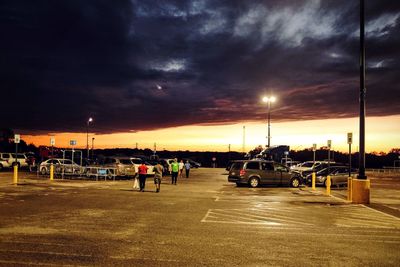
(256, 172)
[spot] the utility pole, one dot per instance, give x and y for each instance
(363, 91)
(244, 140)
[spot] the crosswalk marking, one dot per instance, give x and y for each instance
(274, 214)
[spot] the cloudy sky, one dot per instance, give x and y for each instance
(148, 65)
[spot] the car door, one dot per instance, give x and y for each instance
(268, 174)
(341, 176)
(282, 173)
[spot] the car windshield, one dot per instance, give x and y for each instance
(125, 161)
(326, 171)
(136, 161)
(67, 161)
(307, 164)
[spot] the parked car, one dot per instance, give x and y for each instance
(229, 165)
(4, 164)
(193, 164)
(338, 174)
(138, 161)
(308, 167)
(60, 166)
(10, 157)
(123, 165)
(257, 172)
(167, 165)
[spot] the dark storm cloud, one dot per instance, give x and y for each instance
(63, 61)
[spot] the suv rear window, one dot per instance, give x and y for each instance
(253, 165)
(237, 166)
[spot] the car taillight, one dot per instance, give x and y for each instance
(242, 172)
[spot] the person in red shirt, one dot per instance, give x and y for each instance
(142, 176)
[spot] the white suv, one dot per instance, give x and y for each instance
(10, 158)
(4, 164)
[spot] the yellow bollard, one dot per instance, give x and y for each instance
(328, 185)
(15, 179)
(349, 189)
(51, 172)
(313, 180)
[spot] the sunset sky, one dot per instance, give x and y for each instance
(189, 75)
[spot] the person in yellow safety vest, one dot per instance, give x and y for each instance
(174, 171)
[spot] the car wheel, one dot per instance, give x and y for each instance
(43, 171)
(254, 182)
(295, 182)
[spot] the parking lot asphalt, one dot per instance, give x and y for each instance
(202, 221)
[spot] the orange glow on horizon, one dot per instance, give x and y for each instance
(382, 134)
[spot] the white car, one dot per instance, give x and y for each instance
(4, 164)
(10, 158)
(60, 165)
(123, 166)
(138, 161)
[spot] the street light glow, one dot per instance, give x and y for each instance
(90, 120)
(269, 99)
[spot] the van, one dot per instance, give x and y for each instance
(260, 172)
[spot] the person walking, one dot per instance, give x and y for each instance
(174, 171)
(158, 172)
(142, 176)
(187, 168)
(181, 167)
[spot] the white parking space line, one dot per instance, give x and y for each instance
(277, 214)
(29, 263)
(36, 243)
(46, 253)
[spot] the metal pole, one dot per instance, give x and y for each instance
(349, 160)
(87, 139)
(92, 147)
(329, 158)
(269, 123)
(16, 151)
(361, 173)
(244, 139)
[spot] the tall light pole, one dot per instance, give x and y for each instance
(269, 100)
(87, 135)
(363, 91)
(92, 147)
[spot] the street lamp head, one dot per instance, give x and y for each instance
(90, 120)
(269, 99)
